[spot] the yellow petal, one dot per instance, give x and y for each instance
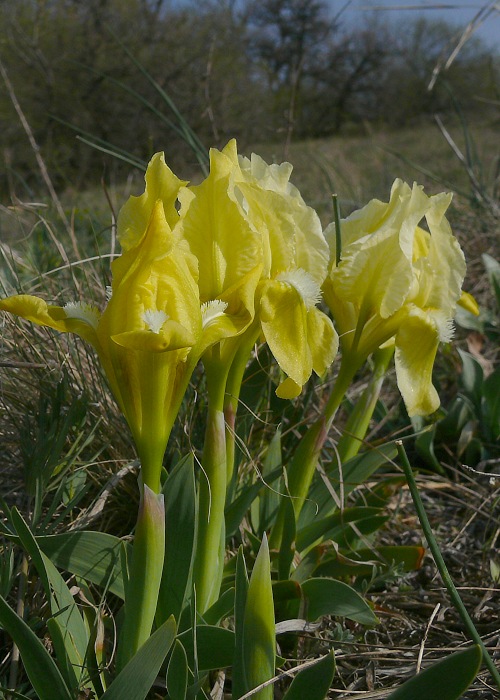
(417, 341)
(375, 272)
(134, 216)
(219, 235)
(288, 389)
(283, 317)
(292, 231)
(172, 336)
(323, 340)
(468, 303)
(440, 273)
(38, 311)
(155, 276)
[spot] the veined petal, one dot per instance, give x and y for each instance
(134, 216)
(417, 341)
(292, 232)
(442, 270)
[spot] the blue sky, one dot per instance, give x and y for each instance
(459, 12)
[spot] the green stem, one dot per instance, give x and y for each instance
(233, 389)
(300, 471)
(209, 558)
(144, 576)
(359, 420)
(438, 558)
(210, 543)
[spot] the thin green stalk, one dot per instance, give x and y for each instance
(438, 558)
(300, 471)
(233, 389)
(145, 570)
(359, 420)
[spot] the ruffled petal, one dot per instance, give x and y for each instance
(228, 249)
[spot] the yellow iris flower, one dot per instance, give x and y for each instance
(143, 337)
(295, 264)
(261, 256)
(397, 282)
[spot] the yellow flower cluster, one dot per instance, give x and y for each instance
(200, 265)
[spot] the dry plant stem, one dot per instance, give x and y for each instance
(35, 147)
(441, 566)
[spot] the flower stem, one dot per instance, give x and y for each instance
(357, 425)
(442, 568)
(209, 558)
(300, 471)
(233, 389)
(142, 586)
(210, 542)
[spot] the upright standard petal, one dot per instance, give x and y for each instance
(227, 247)
(295, 255)
(161, 184)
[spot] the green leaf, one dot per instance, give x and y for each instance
(240, 600)
(180, 516)
(177, 673)
(266, 506)
(236, 511)
(491, 404)
(327, 528)
(444, 680)
(362, 561)
(354, 472)
(222, 607)
(493, 269)
(136, 678)
(325, 596)
(40, 667)
(214, 647)
(95, 556)
(259, 640)
(424, 443)
(66, 626)
(472, 376)
(314, 681)
(287, 546)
